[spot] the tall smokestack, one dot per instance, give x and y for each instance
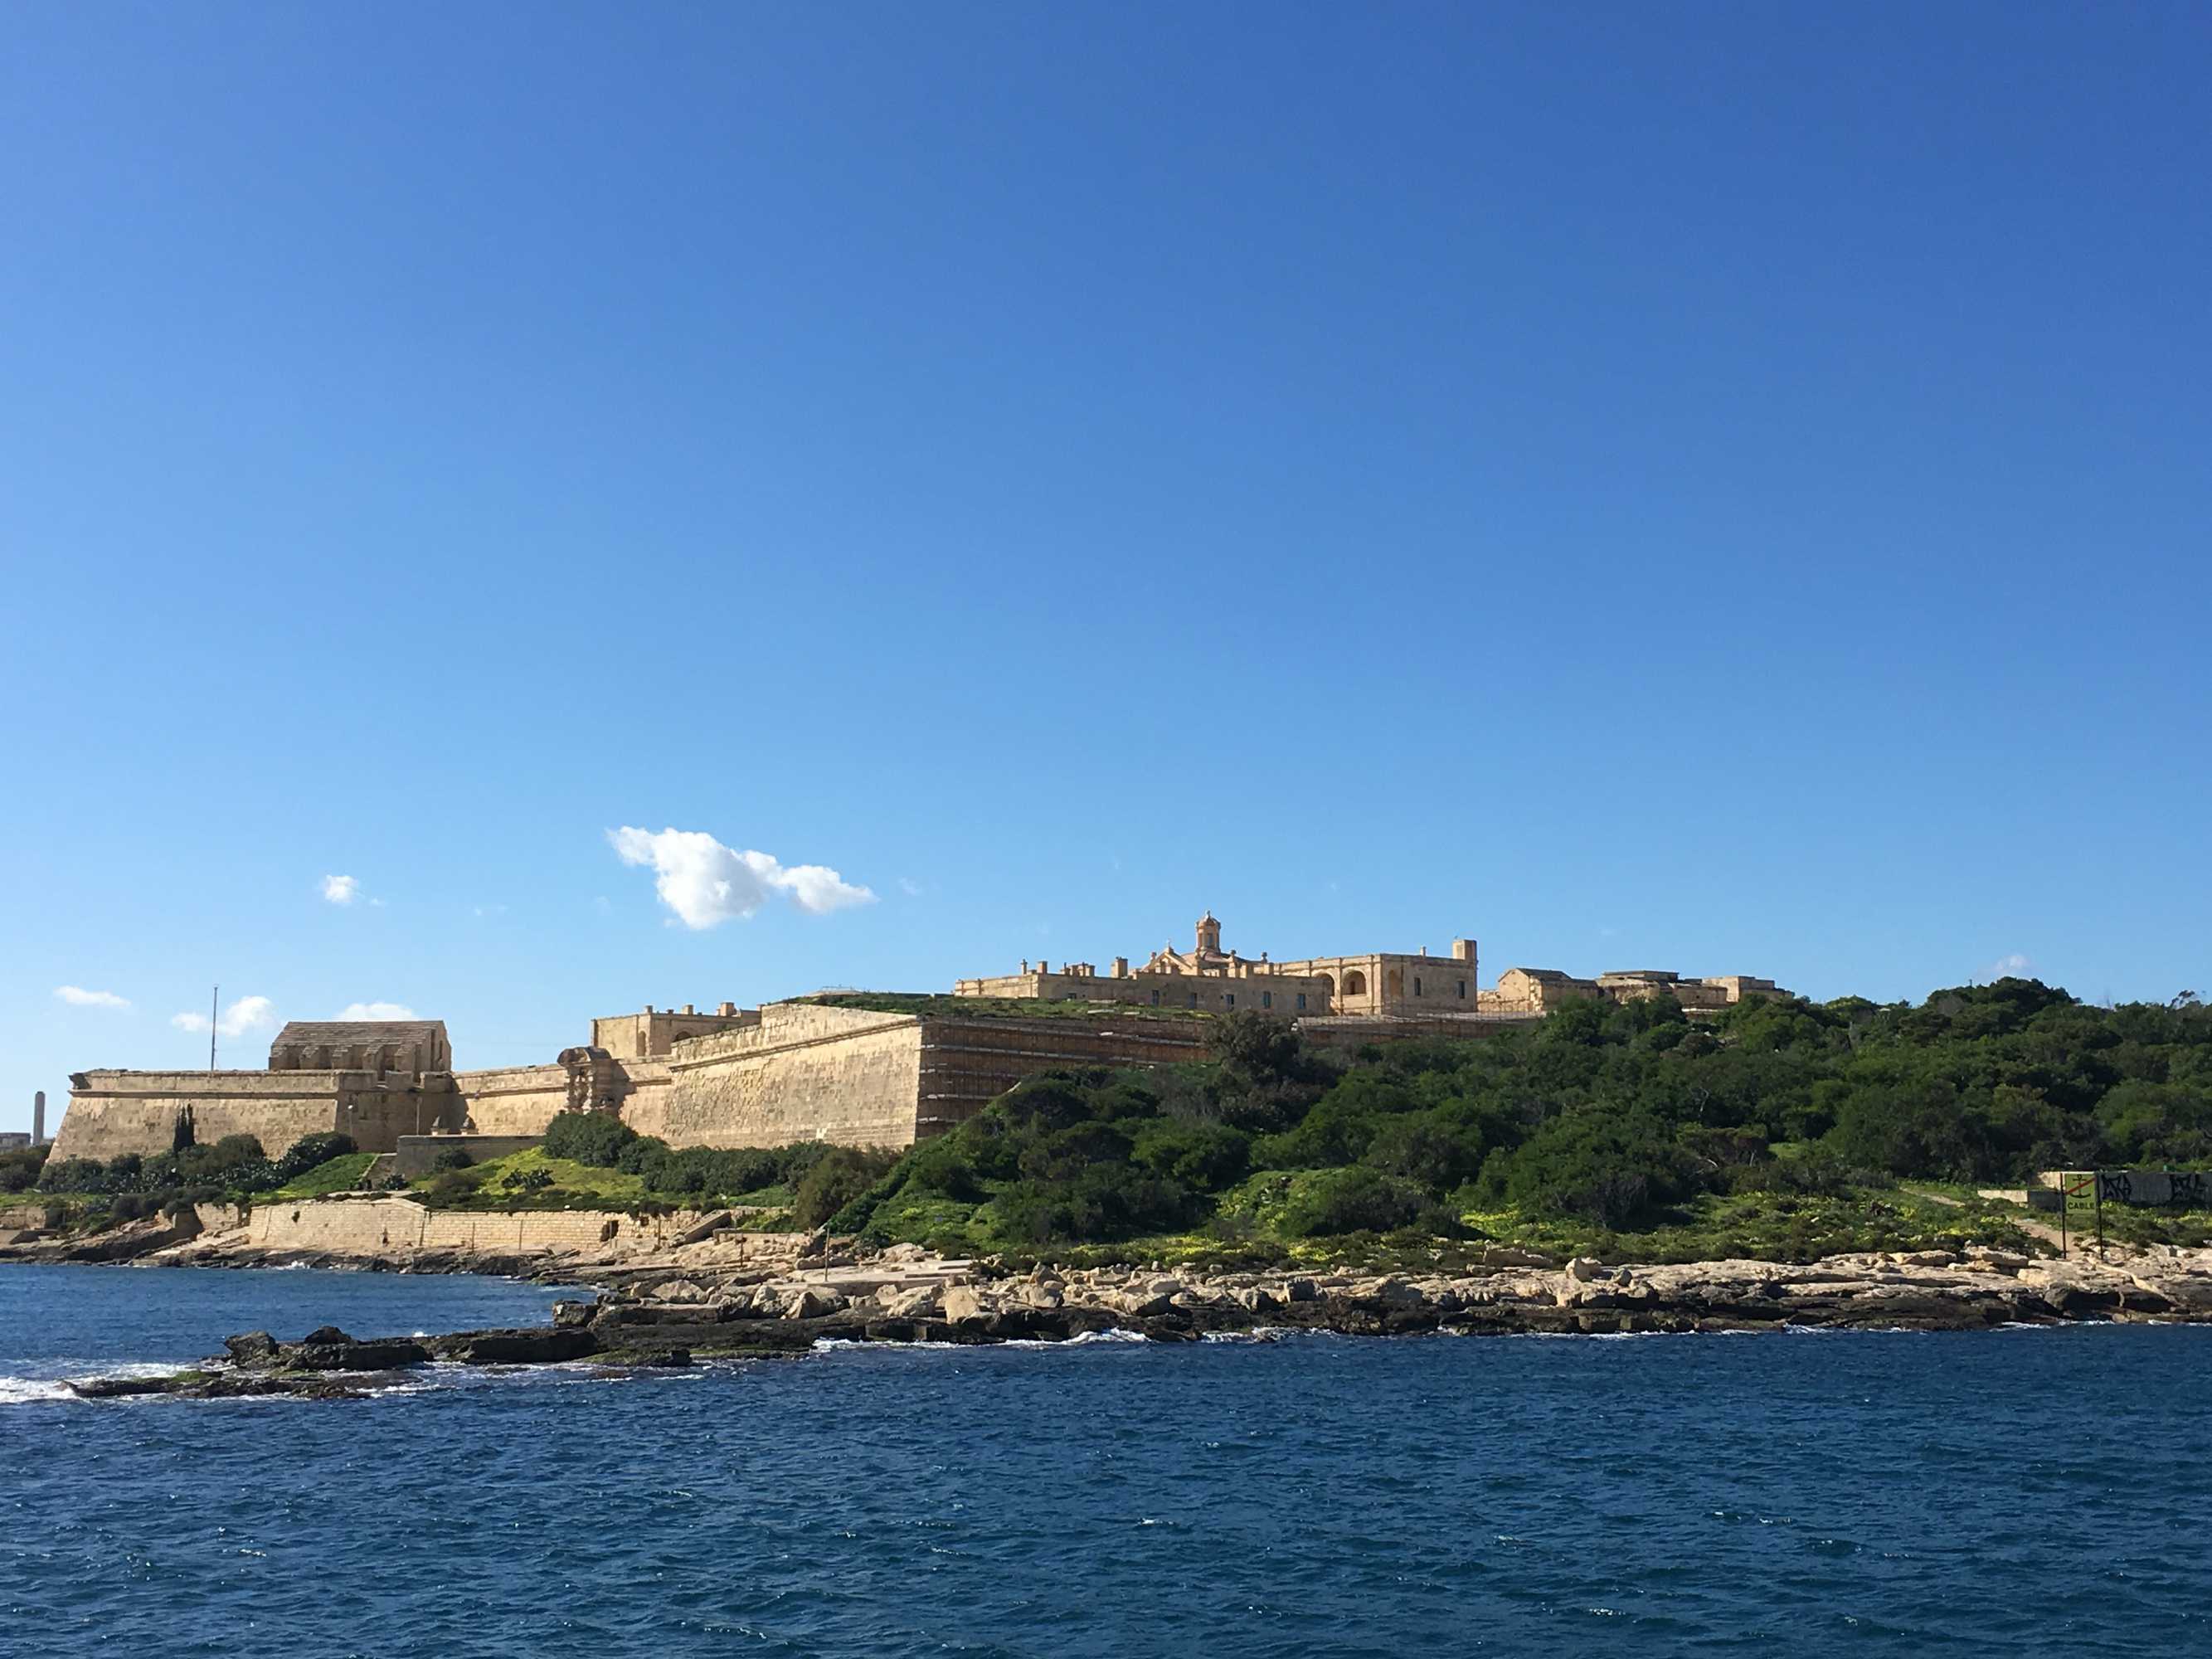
(39, 1118)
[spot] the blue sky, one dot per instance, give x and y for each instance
(1722, 488)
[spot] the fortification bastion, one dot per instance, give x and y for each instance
(854, 1068)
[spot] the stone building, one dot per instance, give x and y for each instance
(1540, 990)
(381, 1045)
(1213, 979)
(856, 1069)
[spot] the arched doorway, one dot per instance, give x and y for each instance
(1355, 983)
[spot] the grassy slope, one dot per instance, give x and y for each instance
(497, 1184)
(342, 1174)
(1758, 1225)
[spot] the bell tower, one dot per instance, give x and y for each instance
(1209, 935)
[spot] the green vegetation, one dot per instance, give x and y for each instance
(342, 1174)
(19, 1171)
(593, 1160)
(1777, 1129)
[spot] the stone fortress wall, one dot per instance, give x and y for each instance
(112, 1112)
(882, 1075)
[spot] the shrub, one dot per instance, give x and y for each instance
(452, 1158)
(1614, 1169)
(1357, 1200)
(231, 1152)
(1204, 1157)
(311, 1152)
(594, 1137)
(840, 1176)
(642, 1154)
(74, 1175)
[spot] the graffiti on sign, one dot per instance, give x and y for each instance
(2186, 1189)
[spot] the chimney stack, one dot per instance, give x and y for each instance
(727, 1010)
(688, 1009)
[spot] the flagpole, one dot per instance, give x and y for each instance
(214, 997)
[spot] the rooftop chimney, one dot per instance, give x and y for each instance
(688, 1009)
(727, 1010)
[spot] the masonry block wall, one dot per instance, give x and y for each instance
(803, 1074)
(112, 1112)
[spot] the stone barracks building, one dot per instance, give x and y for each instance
(856, 1068)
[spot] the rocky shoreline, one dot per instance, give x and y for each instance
(655, 1314)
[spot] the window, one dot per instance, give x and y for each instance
(1462, 987)
(1301, 1001)
(1417, 985)
(1194, 998)
(1229, 999)
(1156, 998)
(1267, 999)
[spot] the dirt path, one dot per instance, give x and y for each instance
(2042, 1229)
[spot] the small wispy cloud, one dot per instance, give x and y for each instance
(490, 909)
(247, 1014)
(341, 889)
(376, 1011)
(910, 887)
(2012, 965)
(705, 883)
(77, 997)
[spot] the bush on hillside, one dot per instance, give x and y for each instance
(1356, 1200)
(312, 1152)
(594, 1137)
(837, 1177)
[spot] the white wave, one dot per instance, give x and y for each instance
(30, 1390)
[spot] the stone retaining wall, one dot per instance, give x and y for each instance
(398, 1226)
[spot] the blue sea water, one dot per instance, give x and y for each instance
(2023, 1492)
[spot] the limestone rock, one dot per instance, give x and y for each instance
(254, 1348)
(918, 1304)
(1500, 1255)
(964, 1304)
(1139, 1304)
(811, 1302)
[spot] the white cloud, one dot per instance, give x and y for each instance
(707, 883)
(247, 1014)
(341, 889)
(77, 997)
(2013, 965)
(375, 1010)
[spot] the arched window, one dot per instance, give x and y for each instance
(1355, 984)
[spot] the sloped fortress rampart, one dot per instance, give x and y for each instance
(852, 1068)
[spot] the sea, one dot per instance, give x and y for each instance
(2021, 1492)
